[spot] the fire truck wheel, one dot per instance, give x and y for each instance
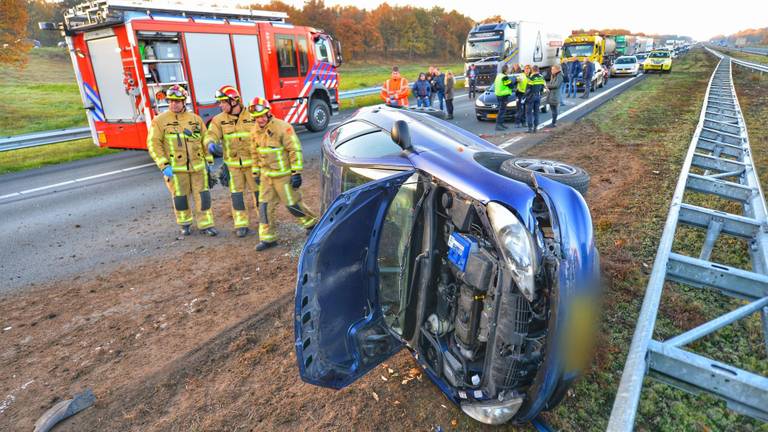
(319, 115)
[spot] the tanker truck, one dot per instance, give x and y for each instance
(490, 46)
(593, 47)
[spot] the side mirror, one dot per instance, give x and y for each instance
(401, 136)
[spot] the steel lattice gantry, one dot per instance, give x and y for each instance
(719, 162)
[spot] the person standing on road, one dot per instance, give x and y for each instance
(277, 150)
(395, 89)
(422, 90)
(472, 81)
(589, 73)
(502, 90)
(533, 91)
(175, 143)
(522, 83)
(439, 85)
(564, 73)
(553, 98)
(575, 67)
(431, 74)
(229, 135)
(450, 83)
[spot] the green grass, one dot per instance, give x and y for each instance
(652, 123)
(35, 157)
(754, 58)
(357, 76)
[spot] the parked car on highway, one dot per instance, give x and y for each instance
(487, 105)
(481, 263)
(625, 66)
(599, 78)
(641, 56)
(659, 61)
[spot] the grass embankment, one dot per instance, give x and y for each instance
(634, 148)
(39, 97)
(750, 57)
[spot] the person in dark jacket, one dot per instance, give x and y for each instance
(553, 98)
(533, 91)
(450, 82)
(575, 67)
(439, 87)
(422, 90)
(589, 72)
(472, 81)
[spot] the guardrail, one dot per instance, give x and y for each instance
(63, 135)
(759, 67)
(43, 138)
(718, 163)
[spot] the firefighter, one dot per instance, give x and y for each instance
(395, 89)
(175, 143)
(278, 167)
(229, 134)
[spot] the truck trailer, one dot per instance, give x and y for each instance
(125, 53)
(490, 46)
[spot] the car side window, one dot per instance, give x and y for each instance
(370, 145)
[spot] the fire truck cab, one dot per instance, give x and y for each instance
(125, 53)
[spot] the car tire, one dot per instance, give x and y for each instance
(319, 115)
(479, 118)
(545, 108)
(521, 168)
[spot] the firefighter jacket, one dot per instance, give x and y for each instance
(177, 140)
(276, 148)
(233, 132)
(397, 89)
(535, 86)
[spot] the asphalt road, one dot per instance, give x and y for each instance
(60, 220)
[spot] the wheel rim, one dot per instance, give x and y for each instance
(319, 116)
(545, 166)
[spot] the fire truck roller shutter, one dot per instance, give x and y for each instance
(210, 63)
(108, 70)
(249, 66)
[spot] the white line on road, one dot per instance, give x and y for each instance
(511, 141)
(69, 182)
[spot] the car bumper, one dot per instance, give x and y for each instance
(623, 72)
(488, 113)
(660, 67)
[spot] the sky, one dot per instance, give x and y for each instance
(698, 19)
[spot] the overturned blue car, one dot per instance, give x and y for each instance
(482, 264)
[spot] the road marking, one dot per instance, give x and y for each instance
(69, 182)
(589, 101)
(511, 141)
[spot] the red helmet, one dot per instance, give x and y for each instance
(227, 92)
(258, 107)
(176, 92)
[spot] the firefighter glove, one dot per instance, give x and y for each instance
(215, 150)
(224, 175)
(168, 172)
(296, 180)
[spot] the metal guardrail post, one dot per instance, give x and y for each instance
(719, 148)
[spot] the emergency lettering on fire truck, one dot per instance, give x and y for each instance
(126, 52)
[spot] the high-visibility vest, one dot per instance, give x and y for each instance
(522, 82)
(501, 85)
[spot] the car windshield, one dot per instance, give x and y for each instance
(580, 50)
(484, 49)
(660, 54)
(626, 60)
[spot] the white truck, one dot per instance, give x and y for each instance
(489, 46)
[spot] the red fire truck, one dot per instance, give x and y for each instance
(125, 52)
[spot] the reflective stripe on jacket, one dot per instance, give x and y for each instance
(177, 140)
(522, 82)
(277, 149)
(535, 86)
(501, 85)
(233, 132)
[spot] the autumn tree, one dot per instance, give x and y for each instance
(492, 19)
(13, 32)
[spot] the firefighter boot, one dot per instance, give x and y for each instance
(264, 245)
(210, 231)
(186, 230)
(241, 232)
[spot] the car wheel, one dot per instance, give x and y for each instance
(319, 115)
(479, 118)
(545, 108)
(521, 168)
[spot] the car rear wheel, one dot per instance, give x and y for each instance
(545, 108)
(521, 168)
(319, 115)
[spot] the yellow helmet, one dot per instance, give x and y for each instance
(258, 107)
(176, 92)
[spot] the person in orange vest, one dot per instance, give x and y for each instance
(395, 90)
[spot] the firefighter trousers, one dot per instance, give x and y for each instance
(186, 185)
(241, 182)
(272, 192)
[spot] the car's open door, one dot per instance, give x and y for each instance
(339, 326)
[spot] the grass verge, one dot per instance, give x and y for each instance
(634, 147)
(35, 157)
(741, 55)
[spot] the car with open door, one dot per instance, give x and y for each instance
(480, 263)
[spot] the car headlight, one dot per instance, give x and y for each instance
(479, 103)
(516, 245)
(493, 413)
(512, 104)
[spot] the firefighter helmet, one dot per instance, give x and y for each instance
(258, 107)
(176, 92)
(227, 92)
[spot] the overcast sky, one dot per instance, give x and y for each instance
(698, 19)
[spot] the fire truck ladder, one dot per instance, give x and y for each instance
(722, 165)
